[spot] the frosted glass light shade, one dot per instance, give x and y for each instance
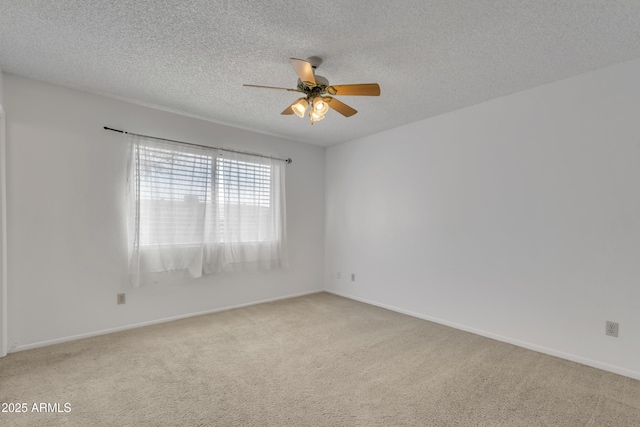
(316, 117)
(320, 106)
(300, 107)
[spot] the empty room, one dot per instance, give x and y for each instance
(341, 213)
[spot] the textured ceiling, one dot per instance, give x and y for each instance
(429, 57)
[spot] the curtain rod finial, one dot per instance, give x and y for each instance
(115, 130)
(289, 161)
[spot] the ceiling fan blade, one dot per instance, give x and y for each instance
(340, 107)
(366, 89)
(303, 70)
(273, 87)
(289, 110)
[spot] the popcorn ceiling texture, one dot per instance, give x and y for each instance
(429, 57)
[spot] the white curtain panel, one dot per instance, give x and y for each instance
(196, 211)
(246, 221)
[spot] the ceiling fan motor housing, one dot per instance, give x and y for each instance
(319, 88)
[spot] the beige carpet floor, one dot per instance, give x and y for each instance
(318, 360)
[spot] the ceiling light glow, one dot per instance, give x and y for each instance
(320, 106)
(300, 106)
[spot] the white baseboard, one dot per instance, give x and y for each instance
(562, 355)
(152, 322)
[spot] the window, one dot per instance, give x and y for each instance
(197, 211)
(244, 201)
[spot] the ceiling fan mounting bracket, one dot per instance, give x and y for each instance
(315, 61)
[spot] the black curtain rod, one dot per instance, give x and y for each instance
(198, 145)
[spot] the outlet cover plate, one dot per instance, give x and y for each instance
(612, 329)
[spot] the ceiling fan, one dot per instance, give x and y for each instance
(319, 95)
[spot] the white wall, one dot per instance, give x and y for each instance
(66, 216)
(3, 270)
(518, 218)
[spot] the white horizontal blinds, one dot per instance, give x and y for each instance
(174, 186)
(245, 211)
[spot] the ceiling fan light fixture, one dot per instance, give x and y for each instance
(300, 106)
(320, 106)
(314, 88)
(316, 117)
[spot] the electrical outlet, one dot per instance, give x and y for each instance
(353, 277)
(122, 298)
(612, 329)
(338, 275)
